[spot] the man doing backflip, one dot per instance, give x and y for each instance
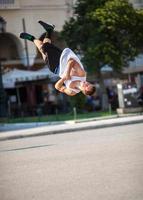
(63, 63)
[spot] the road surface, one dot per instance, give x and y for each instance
(101, 164)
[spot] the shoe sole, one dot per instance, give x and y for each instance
(46, 26)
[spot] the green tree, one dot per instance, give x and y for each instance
(78, 102)
(105, 32)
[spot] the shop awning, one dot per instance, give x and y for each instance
(16, 76)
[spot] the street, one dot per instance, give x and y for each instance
(101, 164)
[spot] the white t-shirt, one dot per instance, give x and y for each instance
(66, 55)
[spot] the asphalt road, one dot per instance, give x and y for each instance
(101, 164)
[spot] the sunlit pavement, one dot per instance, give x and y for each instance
(95, 164)
(70, 126)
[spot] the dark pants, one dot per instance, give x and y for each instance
(53, 54)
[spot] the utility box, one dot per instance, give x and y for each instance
(128, 99)
(130, 93)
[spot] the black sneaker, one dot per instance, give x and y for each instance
(27, 36)
(47, 27)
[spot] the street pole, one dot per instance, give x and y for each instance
(3, 109)
(120, 96)
(2, 95)
(31, 88)
(26, 45)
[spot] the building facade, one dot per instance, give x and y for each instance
(23, 15)
(18, 16)
(135, 69)
(138, 4)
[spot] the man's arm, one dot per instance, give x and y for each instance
(59, 84)
(60, 87)
(70, 65)
(74, 69)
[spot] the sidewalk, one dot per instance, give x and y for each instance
(39, 129)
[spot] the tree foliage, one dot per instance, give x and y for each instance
(105, 32)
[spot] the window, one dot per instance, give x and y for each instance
(7, 1)
(9, 4)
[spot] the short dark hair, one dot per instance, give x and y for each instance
(91, 92)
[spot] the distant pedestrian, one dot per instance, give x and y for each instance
(140, 97)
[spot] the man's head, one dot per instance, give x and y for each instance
(87, 88)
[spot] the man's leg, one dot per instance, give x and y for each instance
(37, 42)
(39, 45)
(46, 39)
(53, 53)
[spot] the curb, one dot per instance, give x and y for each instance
(20, 126)
(77, 127)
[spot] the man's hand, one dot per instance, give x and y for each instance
(60, 87)
(59, 84)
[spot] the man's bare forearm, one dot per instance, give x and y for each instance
(69, 67)
(59, 83)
